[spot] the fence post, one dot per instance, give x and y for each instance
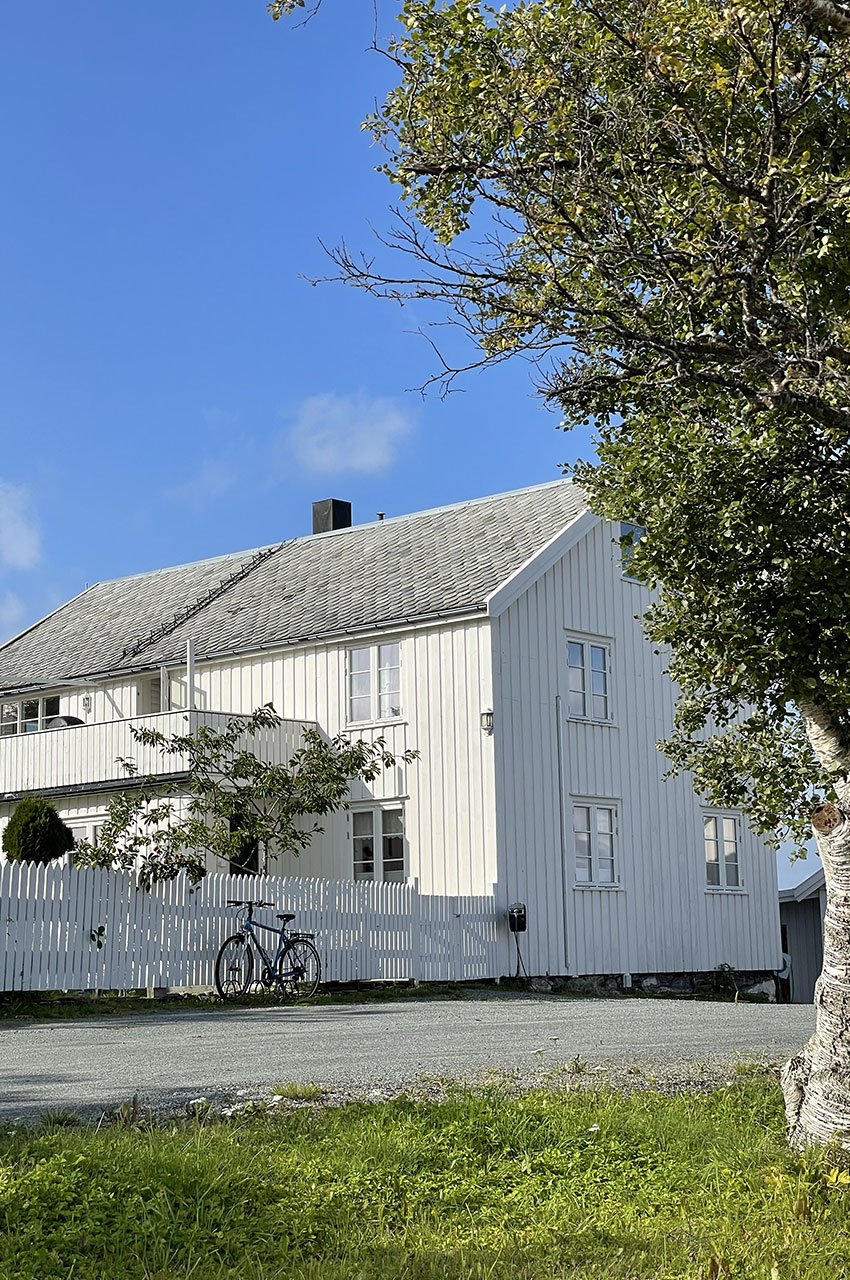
(416, 930)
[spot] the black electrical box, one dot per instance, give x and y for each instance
(516, 917)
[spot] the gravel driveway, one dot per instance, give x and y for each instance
(379, 1048)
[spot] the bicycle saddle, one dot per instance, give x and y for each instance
(286, 918)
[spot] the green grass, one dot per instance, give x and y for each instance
(486, 1185)
(37, 1006)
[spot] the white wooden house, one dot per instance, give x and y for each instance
(497, 637)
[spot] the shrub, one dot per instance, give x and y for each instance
(36, 833)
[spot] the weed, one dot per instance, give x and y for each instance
(298, 1091)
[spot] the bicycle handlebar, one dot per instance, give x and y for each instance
(246, 902)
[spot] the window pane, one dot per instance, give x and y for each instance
(51, 708)
(581, 817)
(606, 871)
(583, 870)
(393, 858)
(388, 679)
(392, 822)
(605, 846)
(29, 719)
(709, 826)
(732, 874)
(361, 685)
(361, 822)
(599, 681)
(712, 873)
(600, 707)
(604, 819)
(576, 704)
(583, 845)
(575, 654)
(358, 660)
(597, 658)
(9, 718)
(360, 709)
(388, 655)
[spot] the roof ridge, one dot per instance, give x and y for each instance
(201, 602)
(368, 524)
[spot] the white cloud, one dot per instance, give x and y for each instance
(214, 477)
(337, 433)
(11, 615)
(20, 541)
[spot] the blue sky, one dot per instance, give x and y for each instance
(172, 387)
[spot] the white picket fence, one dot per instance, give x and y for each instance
(52, 919)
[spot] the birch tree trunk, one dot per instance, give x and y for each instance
(816, 1081)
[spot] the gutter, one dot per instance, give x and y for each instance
(96, 788)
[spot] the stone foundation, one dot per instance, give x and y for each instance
(722, 981)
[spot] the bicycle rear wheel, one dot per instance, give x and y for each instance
(234, 967)
(299, 969)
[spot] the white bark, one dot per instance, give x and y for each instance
(816, 1082)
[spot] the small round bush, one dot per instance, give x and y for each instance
(36, 833)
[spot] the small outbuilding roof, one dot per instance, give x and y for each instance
(432, 564)
(808, 888)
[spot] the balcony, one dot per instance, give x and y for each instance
(85, 756)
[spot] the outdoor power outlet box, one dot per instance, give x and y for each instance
(516, 917)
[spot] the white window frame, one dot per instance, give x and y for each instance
(597, 852)
(720, 840)
(377, 812)
(588, 644)
(40, 720)
(374, 691)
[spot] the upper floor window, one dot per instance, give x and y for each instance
(28, 715)
(589, 667)
(374, 683)
(722, 861)
(378, 838)
(630, 536)
(594, 833)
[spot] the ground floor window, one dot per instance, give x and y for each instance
(722, 860)
(83, 829)
(594, 836)
(246, 862)
(378, 840)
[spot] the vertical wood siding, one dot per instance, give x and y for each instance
(660, 917)
(447, 794)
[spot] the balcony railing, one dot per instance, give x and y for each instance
(77, 756)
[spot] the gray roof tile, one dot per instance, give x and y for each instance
(443, 561)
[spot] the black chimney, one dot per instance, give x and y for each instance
(331, 513)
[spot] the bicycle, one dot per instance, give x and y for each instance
(294, 971)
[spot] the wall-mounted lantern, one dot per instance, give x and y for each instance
(487, 721)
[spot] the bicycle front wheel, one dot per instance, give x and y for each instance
(234, 967)
(299, 969)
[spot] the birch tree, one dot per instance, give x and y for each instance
(651, 200)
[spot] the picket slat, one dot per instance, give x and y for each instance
(169, 935)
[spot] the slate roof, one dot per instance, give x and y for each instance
(435, 563)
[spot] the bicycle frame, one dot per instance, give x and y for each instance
(250, 925)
